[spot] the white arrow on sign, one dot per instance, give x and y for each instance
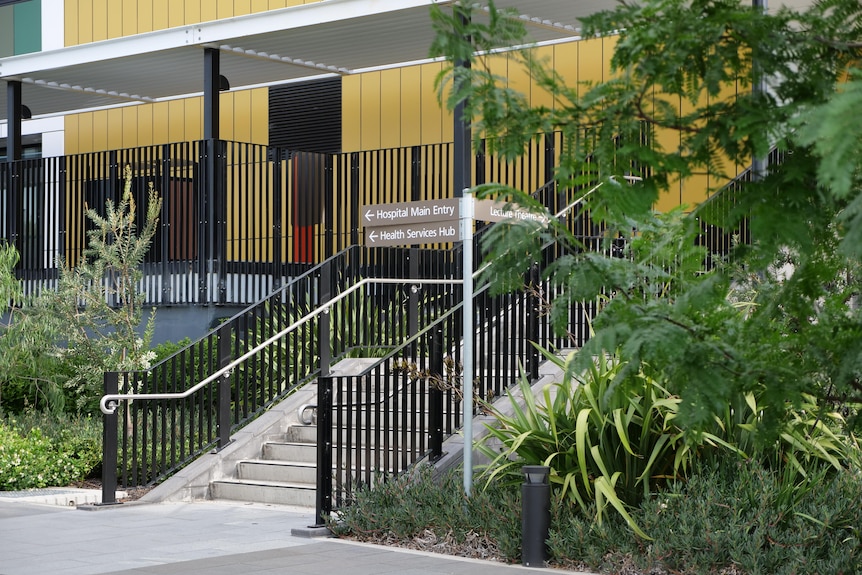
(368, 215)
(372, 236)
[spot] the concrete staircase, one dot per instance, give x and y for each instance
(284, 474)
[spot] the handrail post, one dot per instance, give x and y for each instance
(435, 415)
(224, 386)
(323, 499)
(109, 442)
(533, 331)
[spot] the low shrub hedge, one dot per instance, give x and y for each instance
(40, 452)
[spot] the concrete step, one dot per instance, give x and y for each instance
(308, 434)
(271, 492)
(278, 471)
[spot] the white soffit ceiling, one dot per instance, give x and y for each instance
(301, 42)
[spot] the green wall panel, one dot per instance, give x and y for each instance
(27, 20)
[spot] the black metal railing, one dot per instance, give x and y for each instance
(263, 353)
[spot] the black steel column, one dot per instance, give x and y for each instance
(323, 499)
(13, 120)
(211, 93)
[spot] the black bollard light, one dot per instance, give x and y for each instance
(535, 515)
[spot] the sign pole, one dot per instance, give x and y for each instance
(467, 267)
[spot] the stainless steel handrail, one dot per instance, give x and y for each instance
(108, 403)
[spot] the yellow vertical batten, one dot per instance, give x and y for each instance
(176, 122)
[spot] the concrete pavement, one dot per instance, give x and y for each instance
(207, 537)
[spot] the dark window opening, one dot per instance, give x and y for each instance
(306, 116)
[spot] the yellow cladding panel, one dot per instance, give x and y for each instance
(226, 114)
(670, 198)
(145, 125)
(411, 106)
(590, 61)
(259, 6)
(114, 129)
(192, 11)
(145, 16)
(694, 190)
(432, 114)
(241, 115)
(100, 130)
(241, 7)
(224, 9)
(161, 119)
(208, 10)
(194, 118)
(100, 20)
(370, 109)
(129, 18)
(351, 100)
(176, 14)
(160, 14)
(566, 62)
(131, 127)
(260, 116)
(176, 121)
(609, 44)
(71, 134)
(85, 21)
(539, 96)
(390, 108)
(518, 74)
(70, 23)
(114, 18)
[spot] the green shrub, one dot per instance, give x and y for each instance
(606, 435)
(412, 507)
(66, 451)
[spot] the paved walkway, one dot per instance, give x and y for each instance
(202, 538)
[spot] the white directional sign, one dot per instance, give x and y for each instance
(433, 221)
(407, 234)
(498, 211)
(410, 212)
